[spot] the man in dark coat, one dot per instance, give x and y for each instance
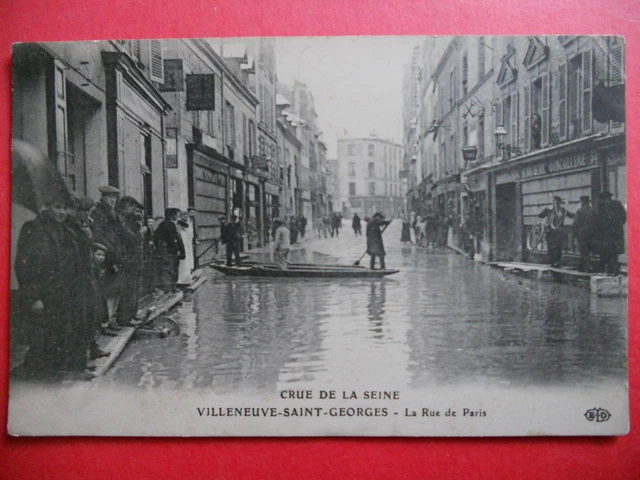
(128, 211)
(293, 230)
(106, 231)
(610, 217)
(375, 246)
(170, 249)
(356, 225)
(231, 236)
(46, 266)
(583, 230)
(336, 223)
(555, 233)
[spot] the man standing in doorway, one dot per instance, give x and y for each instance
(555, 234)
(375, 246)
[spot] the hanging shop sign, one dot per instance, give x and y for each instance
(173, 76)
(201, 91)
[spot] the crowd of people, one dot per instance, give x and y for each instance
(430, 231)
(329, 225)
(598, 230)
(82, 268)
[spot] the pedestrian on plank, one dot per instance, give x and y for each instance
(554, 233)
(356, 224)
(583, 231)
(170, 250)
(281, 243)
(375, 246)
(231, 236)
(610, 217)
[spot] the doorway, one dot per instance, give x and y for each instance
(506, 218)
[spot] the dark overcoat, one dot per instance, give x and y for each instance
(375, 246)
(610, 217)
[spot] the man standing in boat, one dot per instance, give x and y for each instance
(375, 247)
(281, 243)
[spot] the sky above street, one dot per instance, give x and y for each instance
(356, 82)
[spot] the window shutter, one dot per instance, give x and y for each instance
(60, 115)
(498, 122)
(156, 64)
(545, 110)
(527, 119)
(562, 101)
(587, 91)
(616, 70)
(514, 120)
(135, 50)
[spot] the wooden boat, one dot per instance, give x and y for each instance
(301, 270)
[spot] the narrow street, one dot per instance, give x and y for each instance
(442, 320)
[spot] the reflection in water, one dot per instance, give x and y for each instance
(441, 320)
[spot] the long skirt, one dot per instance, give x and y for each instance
(406, 233)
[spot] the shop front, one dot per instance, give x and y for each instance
(523, 188)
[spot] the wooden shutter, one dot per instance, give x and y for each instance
(135, 50)
(562, 101)
(616, 69)
(527, 119)
(587, 91)
(498, 122)
(60, 115)
(514, 121)
(156, 64)
(545, 110)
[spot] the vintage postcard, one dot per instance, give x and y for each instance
(328, 236)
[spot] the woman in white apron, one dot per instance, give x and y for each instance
(186, 266)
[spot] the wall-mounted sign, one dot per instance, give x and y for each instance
(551, 166)
(201, 92)
(171, 148)
(173, 76)
(469, 154)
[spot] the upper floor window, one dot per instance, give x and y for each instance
(481, 47)
(465, 74)
(352, 189)
(352, 169)
(351, 150)
(372, 169)
(372, 149)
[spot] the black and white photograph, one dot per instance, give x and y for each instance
(319, 236)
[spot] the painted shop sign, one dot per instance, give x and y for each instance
(575, 161)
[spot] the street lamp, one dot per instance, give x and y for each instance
(501, 135)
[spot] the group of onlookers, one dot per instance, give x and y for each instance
(598, 230)
(430, 231)
(82, 268)
(329, 225)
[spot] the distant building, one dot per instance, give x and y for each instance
(369, 173)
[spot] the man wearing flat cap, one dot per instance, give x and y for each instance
(106, 231)
(583, 231)
(555, 233)
(610, 217)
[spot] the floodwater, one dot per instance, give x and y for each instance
(443, 320)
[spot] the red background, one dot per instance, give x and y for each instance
(71, 458)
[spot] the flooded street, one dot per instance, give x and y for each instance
(442, 320)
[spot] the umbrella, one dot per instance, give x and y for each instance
(35, 180)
